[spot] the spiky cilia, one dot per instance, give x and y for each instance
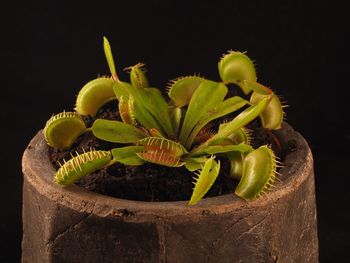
(180, 131)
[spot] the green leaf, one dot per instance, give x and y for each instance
(206, 96)
(241, 119)
(259, 172)
(182, 89)
(255, 86)
(236, 164)
(241, 135)
(175, 116)
(227, 106)
(194, 163)
(221, 141)
(143, 116)
(215, 149)
(141, 113)
(154, 102)
(193, 166)
(116, 131)
(272, 117)
(94, 95)
(109, 57)
(121, 89)
(137, 77)
(127, 155)
(150, 102)
(205, 180)
(235, 67)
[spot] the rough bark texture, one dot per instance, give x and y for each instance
(73, 225)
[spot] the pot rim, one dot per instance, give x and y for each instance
(38, 170)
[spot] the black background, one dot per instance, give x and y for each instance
(50, 49)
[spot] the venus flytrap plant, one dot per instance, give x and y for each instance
(270, 117)
(99, 91)
(80, 165)
(94, 95)
(62, 129)
(263, 162)
(205, 179)
(162, 151)
(181, 132)
(180, 90)
(237, 68)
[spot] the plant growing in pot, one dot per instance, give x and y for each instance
(201, 126)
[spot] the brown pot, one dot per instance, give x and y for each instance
(71, 224)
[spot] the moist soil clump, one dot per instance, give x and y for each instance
(151, 182)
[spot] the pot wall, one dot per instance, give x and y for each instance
(73, 225)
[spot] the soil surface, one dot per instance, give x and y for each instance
(151, 182)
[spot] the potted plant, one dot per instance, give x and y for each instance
(202, 130)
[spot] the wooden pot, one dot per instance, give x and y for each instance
(70, 224)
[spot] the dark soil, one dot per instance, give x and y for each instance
(151, 182)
